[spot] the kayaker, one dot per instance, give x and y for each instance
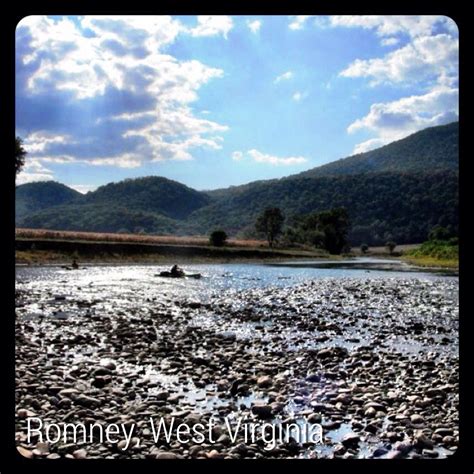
(176, 271)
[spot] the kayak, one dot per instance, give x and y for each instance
(185, 275)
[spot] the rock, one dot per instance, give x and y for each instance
(350, 440)
(314, 418)
(69, 392)
(23, 413)
(370, 412)
(215, 455)
(101, 371)
(394, 454)
(262, 411)
(26, 453)
(417, 419)
(108, 364)
(264, 382)
(87, 401)
(167, 455)
(422, 441)
(375, 406)
(163, 395)
(443, 432)
(122, 445)
(430, 453)
(42, 447)
(379, 452)
(224, 439)
(53, 456)
(101, 381)
(313, 378)
(80, 454)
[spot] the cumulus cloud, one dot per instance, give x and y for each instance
(298, 22)
(254, 26)
(427, 62)
(265, 158)
(390, 25)
(102, 91)
(34, 171)
(390, 41)
(284, 77)
(211, 25)
(426, 58)
(397, 119)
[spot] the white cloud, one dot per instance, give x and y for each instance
(298, 22)
(390, 25)
(212, 25)
(254, 25)
(397, 119)
(33, 171)
(134, 98)
(260, 157)
(83, 188)
(426, 58)
(390, 41)
(284, 77)
(299, 96)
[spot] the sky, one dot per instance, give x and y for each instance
(215, 101)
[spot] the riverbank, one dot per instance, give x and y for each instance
(373, 361)
(55, 251)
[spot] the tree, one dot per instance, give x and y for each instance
(218, 238)
(335, 225)
(391, 246)
(20, 154)
(439, 233)
(364, 248)
(270, 223)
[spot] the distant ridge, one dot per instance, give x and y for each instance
(399, 191)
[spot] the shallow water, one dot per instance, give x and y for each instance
(270, 306)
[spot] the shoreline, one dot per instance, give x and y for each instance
(313, 351)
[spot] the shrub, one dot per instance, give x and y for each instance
(218, 238)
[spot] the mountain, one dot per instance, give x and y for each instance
(33, 197)
(399, 191)
(151, 194)
(431, 149)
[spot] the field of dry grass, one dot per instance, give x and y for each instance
(128, 238)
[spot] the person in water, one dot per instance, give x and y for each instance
(74, 264)
(176, 271)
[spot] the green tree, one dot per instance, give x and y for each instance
(390, 246)
(218, 238)
(270, 223)
(439, 233)
(335, 225)
(20, 154)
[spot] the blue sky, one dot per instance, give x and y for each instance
(213, 101)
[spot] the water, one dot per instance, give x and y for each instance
(48, 296)
(216, 278)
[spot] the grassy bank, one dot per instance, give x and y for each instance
(435, 253)
(38, 251)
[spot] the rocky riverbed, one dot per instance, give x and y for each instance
(373, 361)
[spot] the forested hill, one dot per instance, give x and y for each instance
(151, 194)
(33, 197)
(431, 149)
(398, 192)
